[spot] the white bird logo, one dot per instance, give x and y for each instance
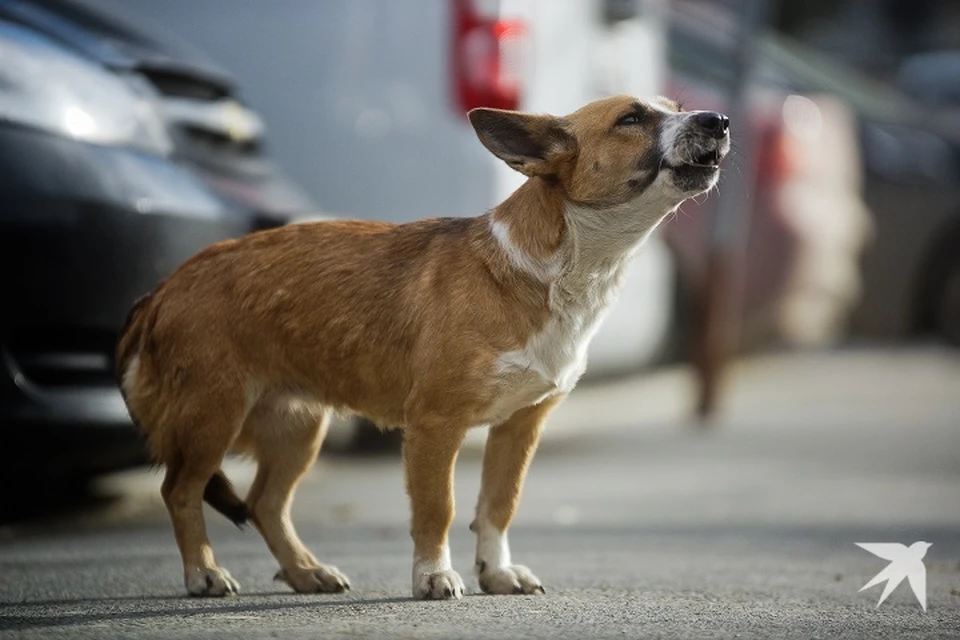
(905, 562)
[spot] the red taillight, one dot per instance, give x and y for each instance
(488, 56)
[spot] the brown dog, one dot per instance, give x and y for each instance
(436, 326)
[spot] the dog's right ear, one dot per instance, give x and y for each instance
(533, 144)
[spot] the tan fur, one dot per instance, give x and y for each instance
(251, 344)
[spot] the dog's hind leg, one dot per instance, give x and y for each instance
(285, 443)
(182, 490)
(204, 430)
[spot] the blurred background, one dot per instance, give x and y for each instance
(135, 132)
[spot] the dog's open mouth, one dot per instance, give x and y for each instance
(696, 169)
(700, 161)
(706, 159)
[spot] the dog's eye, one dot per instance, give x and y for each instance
(629, 119)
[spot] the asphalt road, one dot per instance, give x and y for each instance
(639, 525)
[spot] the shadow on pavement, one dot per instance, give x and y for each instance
(178, 608)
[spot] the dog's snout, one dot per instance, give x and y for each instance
(716, 124)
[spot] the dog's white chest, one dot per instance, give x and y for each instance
(551, 362)
(554, 358)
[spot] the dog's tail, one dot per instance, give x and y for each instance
(131, 336)
(130, 345)
(219, 492)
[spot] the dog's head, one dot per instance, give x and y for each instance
(614, 150)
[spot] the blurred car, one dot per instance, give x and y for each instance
(854, 218)
(121, 155)
(921, 228)
(911, 185)
(807, 222)
(933, 78)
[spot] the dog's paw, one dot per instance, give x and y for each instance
(210, 582)
(439, 585)
(513, 579)
(320, 579)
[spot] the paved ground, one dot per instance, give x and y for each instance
(639, 524)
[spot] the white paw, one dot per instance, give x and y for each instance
(512, 579)
(319, 579)
(438, 585)
(210, 582)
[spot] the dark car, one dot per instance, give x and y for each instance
(121, 154)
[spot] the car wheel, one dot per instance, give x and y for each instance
(948, 311)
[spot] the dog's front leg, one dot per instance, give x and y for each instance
(429, 454)
(510, 447)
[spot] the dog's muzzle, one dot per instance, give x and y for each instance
(707, 141)
(701, 139)
(693, 146)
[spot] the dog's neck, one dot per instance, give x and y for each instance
(578, 251)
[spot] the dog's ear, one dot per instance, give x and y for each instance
(535, 145)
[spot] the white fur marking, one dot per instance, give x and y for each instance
(130, 374)
(493, 565)
(425, 566)
(493, 550)
(669, 133)
(436, 578)
(542, 270)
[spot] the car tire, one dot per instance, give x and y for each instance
(948, 309)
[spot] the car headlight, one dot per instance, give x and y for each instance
(46, 86)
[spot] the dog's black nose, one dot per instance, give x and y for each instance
(716, 124)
